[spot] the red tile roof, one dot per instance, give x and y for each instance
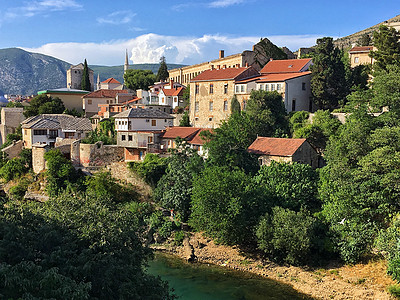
(105, 94)
(173, 92)
(183, 132)
(361, 49)
(134, 99)
(221, 74)
(275, 146)
(198, 140)
(111, 80)
(286, 66)
(281, 77)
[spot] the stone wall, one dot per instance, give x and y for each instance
(95, 155)
(11, 118)
(14, 149)
(38, 161)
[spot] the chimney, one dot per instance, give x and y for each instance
(247, 65)
(271, 59)
(221, 53)
(218, 67)
(212, 67)
(171, 83)
(224, 67)
(237, 65)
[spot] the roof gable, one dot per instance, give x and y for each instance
(105, 93)
(222, 74)
(173, 92)
(183, 132)
(143, 113)
(111, 80)
(275, 146)
(286, 66)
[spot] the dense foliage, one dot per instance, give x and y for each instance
(85, 82)
(162, 74)
(151, 169)
(386, 40)
(42, 104)
(139, 79)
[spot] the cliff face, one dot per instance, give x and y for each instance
(25, 73)
(347, 41)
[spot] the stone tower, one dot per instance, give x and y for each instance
(98, 81)
(126, 65)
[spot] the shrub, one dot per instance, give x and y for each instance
(286, 235)
(179, 237)
(166, 229)
(18, 191)
(14, 168)
(394, 290)
(151, 169)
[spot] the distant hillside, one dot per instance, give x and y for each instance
(118, 71)
(26, 73)
(347, 41)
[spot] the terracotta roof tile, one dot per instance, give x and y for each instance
(221, 74)
(198, 140)
(281, 77)
(111, 80)
(173, 92)
(275, 146)
(361, 49)
(183, 132)
(105, 94)
(286, 66)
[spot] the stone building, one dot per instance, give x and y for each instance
(74, 77)
(91, 101)
(11, 118)
(360, 56)
(284, 150)
(111, 84)
(211, 93)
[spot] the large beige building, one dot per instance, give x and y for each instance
(360, 56)
(74, 77)
(71, 98)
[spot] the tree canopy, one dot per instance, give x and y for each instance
(386, 40)
(139, 79)
(43, 104)
(85, 82)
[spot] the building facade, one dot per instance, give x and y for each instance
(74, 77)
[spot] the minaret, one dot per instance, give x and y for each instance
(126, 65)
(98, 81)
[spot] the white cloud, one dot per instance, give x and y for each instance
(148, 48)
(33, 8)
(225, 3)
(117, 18)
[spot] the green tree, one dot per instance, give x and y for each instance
(42, 104)
(235, 105)
(386, 40)
(151, 169)
(139, 79)
(386, 88)
(185, 121)
(328, 82)
(175, 187)
(85, 82)
(223, 206)
(364, 40)
(286, 235)
(186, 97)
(162, 74)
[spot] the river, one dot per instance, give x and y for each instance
(196, 281)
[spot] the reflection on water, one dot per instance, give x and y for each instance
(208, 282)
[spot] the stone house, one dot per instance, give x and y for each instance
(74, 77)
(172, 97)
(46, 128)
(360, 56)
(211, 93)
(91, 101)
(110, 84)
(138, 131)
(11, 118)
(284, 150)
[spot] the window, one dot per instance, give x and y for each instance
(211, 88)
(236, 89)
(123, 137)
(162, 100)
(272, 87)
(278, 87)
(261, 87)
(242, 88)
(294, 104)
(153, 122)
(130, 137)
(89, 101)
(53, 133)
(69, 135)
(225, 88)
(196, 106)
(147, 120)
(225, 105)
(303, 86)
(150, 139)
(196, 91)
(267, 87)
(210, 106)
(210, 119)
(39, 132)
(356, 60)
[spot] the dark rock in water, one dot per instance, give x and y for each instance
(189, 251)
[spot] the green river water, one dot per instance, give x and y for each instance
(209, 282)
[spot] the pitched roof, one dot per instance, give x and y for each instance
(221, 74)
(361, 49)
(183, 132)
(281, 77)
(57, 121)
(105, 93)
(111, 80)
(275, 146)
(144, 113)
(197, 140)
(286, 66)
(173, 92)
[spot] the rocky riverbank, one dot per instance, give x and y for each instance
(361, 281)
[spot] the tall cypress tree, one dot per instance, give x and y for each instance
(85, 83)
(162, 73)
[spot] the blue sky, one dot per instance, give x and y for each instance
(184, 32)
